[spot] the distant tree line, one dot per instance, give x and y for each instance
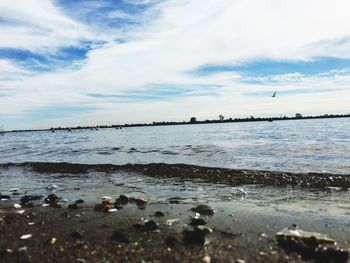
(193, 120)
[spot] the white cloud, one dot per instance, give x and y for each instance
(37, 25)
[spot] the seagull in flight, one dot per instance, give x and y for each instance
(274, 94)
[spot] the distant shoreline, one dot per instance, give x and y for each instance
(168, 123)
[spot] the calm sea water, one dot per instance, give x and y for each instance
(296, 146)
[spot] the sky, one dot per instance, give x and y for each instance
(95, 62)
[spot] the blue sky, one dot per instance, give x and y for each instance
(91, 62)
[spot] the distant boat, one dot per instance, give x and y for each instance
(270, 120)
(274, 94)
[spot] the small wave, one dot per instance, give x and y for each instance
(193, 172)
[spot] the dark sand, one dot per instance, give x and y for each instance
(86, 235)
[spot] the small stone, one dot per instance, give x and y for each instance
(51, 187)
(159, 214)
(141, 201)
(122, 199)
(22, 249)
(171, 221)
(51, 241)
(150, 225)
(206, 259)
(81, 260)
(197, 221)
(119, 236)
(17, 206)
(106, 198)
(106, 205)
(80, 201)
(27, 236)
(51, 199)
(27, 198)
(206, 229)
(112, 210)
(5, 197)
(204, 209)
(195, 237)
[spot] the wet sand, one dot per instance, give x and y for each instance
(239, 234)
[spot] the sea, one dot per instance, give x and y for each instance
(318, 145)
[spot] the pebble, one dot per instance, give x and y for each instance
(312, 245)
(112, 210)
(5, 197)
(81, 260)
(22, 249)
(197, 221)
(51, 187)
(106, 205)
(206, 259)
(27, 236)
(150, 225)
(17, 206)
(106, 198)
(169, 222)
(80, 201)
(122, 200)
(27, 198)
(141, 202)
(51, 199)
(159, 214)
(51, 241)
(204, 209)
(194, 237)
(147, 226)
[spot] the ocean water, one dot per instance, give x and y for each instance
(295, 146)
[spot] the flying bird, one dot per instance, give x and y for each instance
(274, 94)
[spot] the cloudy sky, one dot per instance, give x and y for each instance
(91, 62)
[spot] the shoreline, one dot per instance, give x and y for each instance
(228, 176)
